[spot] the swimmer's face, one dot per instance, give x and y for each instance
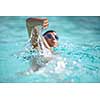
(52, 39)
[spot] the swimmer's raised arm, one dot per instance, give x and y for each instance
(33, 22)
(38, 21)
(33, 29)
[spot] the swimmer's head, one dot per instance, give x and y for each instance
(51, 38)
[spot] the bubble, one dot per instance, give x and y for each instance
(27, 73)
(31, 71)
(74, 62)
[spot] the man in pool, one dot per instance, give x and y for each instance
(49, 38)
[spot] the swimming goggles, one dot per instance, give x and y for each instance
(49, 36)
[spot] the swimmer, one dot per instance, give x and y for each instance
(45, 42)
(49, 38)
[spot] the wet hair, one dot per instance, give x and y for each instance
(48, 32)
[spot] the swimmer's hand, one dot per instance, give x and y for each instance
(38, 21)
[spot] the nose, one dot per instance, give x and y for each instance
(54, 40)
(53, 37)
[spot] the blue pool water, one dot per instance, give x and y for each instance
(79, 50)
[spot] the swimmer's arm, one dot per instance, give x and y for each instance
(32, 27)
(38, 21)
(34, 38)
(32, 22)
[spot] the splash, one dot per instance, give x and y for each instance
(39, 59)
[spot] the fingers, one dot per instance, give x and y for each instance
(45, 23)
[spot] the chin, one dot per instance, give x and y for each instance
(55, 45)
